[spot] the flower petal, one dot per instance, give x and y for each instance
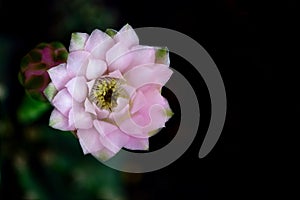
(103, 154)
(116, 74)
(78, 41)
(145, 74)
(50, 91)
(89, 140)
(158, 118)
(59, 76)
(59, 121)
(141, 55)
(98, 44)
(137, 143)
(139, 100)
(96, 37)
(126, 124)
(89, 107)
(118, 57)
(112, 138)
(77, 63)
(121, 103)
(63, 102)
(79, 118)
(101, 113)
(78, 89)
(95, 68)
(127, 36)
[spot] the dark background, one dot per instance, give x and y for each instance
(251, 42)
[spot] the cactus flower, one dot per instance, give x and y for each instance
(109, 91)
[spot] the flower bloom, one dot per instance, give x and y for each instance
(109, 92)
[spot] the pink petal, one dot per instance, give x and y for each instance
(138, 102)
(141, 55)
(104, 128)
(78, 41)
(158, 118)
(112, 138)
(152, 94)
(127, 36)
(77, 63)
(129, 90)
(59, 121)
(145, 74)
(121, 103)
(78, 89)
(103, 154)
(98, 44)
(118, 57)
(89, 140)
(126, 124)
(116, 74)
(79, 118)
(90, 85)
(101, 113)
(137, 144)
(63, 102)
(59, 76)
(96, 37)
(89, 107)
(95, 68)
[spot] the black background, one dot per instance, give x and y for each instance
(252, 44)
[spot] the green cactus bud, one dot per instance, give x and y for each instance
(33, 73)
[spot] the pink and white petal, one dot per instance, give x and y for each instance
(141, 117)
(77, 63)
(118, 57)
(152, 94)
(130, 91)
(59, 121)
(141, 55)
(121, 103)
(79, 118)
(96, 38)
(78, 41)
(103, 154)
(115, 140)
(111, 137)
(89, 107)
(99, 49)
(89, 140)
(63, 102)
(127, 36)
(116, 74)
(78, 88)
(90, 85)
(104, 128)
(137, 144)
(59, 75)
(146, 74)
(101, 113)
(158, 118)
(139, 100)
(95, 68)
(124, 121)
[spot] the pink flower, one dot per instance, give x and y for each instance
(108, 92)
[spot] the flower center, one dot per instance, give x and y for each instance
(105, 93)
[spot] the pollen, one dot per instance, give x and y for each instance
(105, 93)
